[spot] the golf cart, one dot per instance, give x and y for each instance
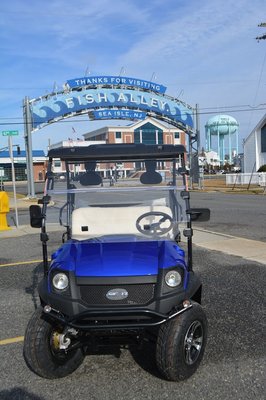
(124, 271)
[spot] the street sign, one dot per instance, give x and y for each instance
(9, 133)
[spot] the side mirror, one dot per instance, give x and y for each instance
(199, 214)
(36, 216)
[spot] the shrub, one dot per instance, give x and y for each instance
(262, 168)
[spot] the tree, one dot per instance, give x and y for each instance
(262, 168)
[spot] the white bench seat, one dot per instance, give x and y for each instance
(88, 222)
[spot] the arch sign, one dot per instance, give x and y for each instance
(110, 97)
(102, 97)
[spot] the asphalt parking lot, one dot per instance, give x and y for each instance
(232, 368)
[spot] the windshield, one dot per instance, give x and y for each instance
(119, 201)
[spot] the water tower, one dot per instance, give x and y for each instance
(224, 129)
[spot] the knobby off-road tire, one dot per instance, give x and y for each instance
(181, 343)
(40, 354)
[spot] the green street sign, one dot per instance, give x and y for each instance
(9, 133)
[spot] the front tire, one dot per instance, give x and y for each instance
(181, 343)
(41, 351)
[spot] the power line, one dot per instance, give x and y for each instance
(65, 121)
(224, 108)
(239, 106)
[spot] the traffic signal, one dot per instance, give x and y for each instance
(18, 150)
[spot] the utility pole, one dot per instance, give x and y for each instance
(263, 37)
(198, 145)
(28, 146)
(194, 148)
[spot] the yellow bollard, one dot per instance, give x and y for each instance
(4, 209)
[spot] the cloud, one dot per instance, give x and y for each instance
(203, 50)
(206, 31)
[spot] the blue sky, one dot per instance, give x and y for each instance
(204, 51)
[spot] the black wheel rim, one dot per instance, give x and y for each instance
(193, 342)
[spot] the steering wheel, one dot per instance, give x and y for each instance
(151, 229)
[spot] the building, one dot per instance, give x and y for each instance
(72, 143)
(39, 165)
(209, 160)
(255, 147)
(59, 167)
(148, 131)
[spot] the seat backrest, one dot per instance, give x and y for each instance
(88, 222)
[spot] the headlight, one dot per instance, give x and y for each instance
(60, 281)
(173, 278)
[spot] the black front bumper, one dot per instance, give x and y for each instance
(116, 320)
(74, 312)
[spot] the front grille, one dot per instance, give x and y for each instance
(137, 294)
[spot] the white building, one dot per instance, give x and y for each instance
(255, 147)
(210, 160)
(73, 142)
(59, 166)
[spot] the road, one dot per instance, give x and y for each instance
(234, 214)
(233, 290)
(232, 367)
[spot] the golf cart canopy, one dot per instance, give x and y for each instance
(116, 152)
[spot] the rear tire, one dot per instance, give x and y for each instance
(181, 343)
(41, 351)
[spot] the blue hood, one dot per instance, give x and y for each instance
(108, 258)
